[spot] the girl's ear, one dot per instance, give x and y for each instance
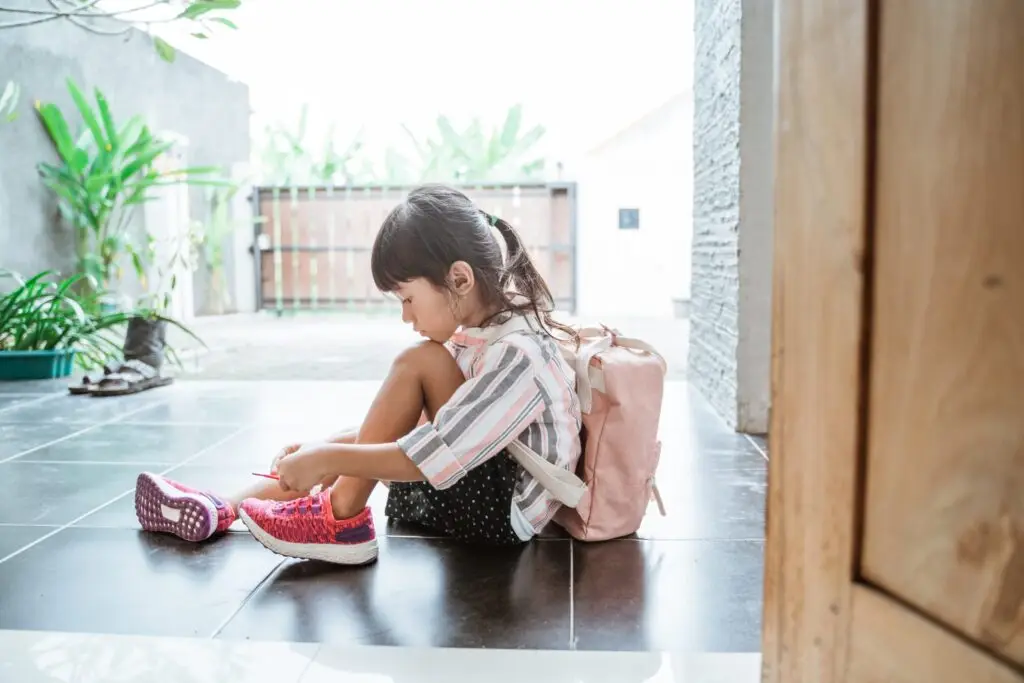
(460, 278)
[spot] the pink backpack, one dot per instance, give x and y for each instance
(620, 383)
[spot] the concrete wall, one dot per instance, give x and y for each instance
(186, 97)
(637, 272)
(732, 210)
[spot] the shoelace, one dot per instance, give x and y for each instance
(303, 506)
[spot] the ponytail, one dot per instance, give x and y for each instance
(521, 277)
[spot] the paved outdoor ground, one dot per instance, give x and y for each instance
(348, 346)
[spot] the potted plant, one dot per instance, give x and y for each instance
(45, 328)
(103, 175)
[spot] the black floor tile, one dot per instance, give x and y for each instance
(288, 407)
(720, 496)
(45, 493)
(420, 593)
(668, 595)
(16, 537)
(18, 438)
(690, 425)
(81, 410)
(157, 445)
(117, 581)
(254, 448)
(12, 400)
(36, 386)
(224, 481)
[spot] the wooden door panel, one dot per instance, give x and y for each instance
(890, 643)
(822, 150)
(894, 539)
(945, 475)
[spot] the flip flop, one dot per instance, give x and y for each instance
(87, 385)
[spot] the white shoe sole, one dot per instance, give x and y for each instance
(335, 553)
(162, 508)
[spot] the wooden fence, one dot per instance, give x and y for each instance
(312, 244)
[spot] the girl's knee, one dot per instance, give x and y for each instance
(426, 355)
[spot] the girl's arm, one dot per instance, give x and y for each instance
(383, 462)
(349, 435)
(316, 463)
(344, 436)
(485, 414)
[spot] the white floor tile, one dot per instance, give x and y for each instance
(46, 657)
(437, 665)
(38, 657)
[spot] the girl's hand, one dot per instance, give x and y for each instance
(287, 450)
(302, 469)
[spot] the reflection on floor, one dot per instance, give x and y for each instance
(72, 559)
(38, 657)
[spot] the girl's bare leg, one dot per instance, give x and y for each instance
(422, 379)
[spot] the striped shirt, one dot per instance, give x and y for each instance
(517, 386)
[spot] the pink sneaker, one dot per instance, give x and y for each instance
(169, 507)
(306, 528)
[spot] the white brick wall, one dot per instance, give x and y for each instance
(732, 209)
(716, 203)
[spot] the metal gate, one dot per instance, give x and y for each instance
(312, 244)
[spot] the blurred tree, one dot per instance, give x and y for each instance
(288, 156)
(115, 19)
(476, 154)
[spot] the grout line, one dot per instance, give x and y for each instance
(117, 498)
(309, 664)
(757, 446)
(572, 597)
(66, 437)
(246, 599)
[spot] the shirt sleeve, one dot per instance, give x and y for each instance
(483, 416)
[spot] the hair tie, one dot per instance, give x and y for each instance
(491, 220)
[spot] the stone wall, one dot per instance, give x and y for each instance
(732, 212)
(186, 97)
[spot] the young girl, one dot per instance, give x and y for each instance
(489, 371)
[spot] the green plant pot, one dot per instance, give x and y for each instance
(18, 365)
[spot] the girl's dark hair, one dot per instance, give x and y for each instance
(436, 226)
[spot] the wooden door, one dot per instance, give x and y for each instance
(895, 543)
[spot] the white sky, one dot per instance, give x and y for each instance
(583, 68)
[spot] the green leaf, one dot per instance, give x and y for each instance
(57, 127)
(108, 120)
(510, 131)
(9, 100)
(200, 36)
(201, 7)
(164, 49)
(87, 114)
(225, 22)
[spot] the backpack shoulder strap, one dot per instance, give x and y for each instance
(565, 486)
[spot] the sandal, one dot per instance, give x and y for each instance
(131, 377)
(87, 384)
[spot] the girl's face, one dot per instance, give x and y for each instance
(437, 313)
(428, 309)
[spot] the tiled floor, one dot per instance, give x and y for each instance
(72, 559)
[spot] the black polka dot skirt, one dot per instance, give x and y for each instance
(477, 509)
